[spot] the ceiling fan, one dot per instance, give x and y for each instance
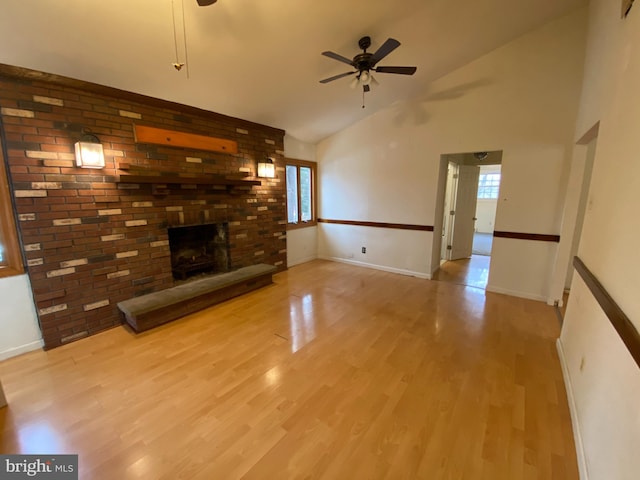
(204, 3)
(365, 63)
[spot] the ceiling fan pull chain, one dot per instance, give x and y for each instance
(178, 64)
(363, 98)
(175, 34)
(186, 51)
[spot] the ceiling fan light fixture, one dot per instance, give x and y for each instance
(365, 77)
(354, 83)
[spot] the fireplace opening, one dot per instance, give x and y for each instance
(199, 249)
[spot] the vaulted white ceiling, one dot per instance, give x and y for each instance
(260, 60)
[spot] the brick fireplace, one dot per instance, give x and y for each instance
(90, 239)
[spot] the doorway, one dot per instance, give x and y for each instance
(575, 208)
(468, 194)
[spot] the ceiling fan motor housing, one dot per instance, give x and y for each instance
(362, 61)
(364, 43)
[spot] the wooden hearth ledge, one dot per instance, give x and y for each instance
(151, 310)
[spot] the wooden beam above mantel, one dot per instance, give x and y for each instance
(172, 138)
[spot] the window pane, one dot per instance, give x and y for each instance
(305, 193)
(488, 185)
(1, 254)
(292, 194)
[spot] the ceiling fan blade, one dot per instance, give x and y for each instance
(204, 3)
(385, 49)
(340, 58)
(336, 77)
(399, 70)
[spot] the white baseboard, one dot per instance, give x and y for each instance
(301, 260)
(515, 293)
(582, 460)
(14, 352)
(384, 268)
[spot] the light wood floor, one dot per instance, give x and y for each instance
(334, 372)
(473, 271)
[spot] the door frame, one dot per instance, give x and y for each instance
(493, 158)
(575, 207)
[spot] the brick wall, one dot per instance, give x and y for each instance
(91, 241)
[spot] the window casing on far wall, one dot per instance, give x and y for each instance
(301, 193)
(10, 256)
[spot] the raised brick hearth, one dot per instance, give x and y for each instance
(149, 311)
(91, 241)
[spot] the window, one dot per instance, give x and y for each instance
(10, 257)
(301, 193)
(489, 185)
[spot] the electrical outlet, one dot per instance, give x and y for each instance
(364, 249)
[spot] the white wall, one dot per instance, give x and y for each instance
(602, 379)
(18, 318)
(302, 243)
(486, 215)
(382, 252)
(521, 98)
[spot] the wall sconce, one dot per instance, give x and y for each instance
(89, 152)
(266, 168)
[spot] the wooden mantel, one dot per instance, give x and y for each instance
(159, 175)
(181, 180)
(172, 138)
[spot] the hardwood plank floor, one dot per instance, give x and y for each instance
(334, 372)
(473, 271)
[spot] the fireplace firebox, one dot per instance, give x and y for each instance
(198, 249)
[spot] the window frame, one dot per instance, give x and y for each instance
(314, 194)
(13, 264)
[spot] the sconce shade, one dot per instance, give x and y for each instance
(89, 152)
(266, 168)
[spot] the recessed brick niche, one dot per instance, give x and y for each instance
(91, 241)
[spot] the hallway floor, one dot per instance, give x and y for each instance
(472, 272)
(482, 243)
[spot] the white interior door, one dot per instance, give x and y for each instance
(465, 211)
